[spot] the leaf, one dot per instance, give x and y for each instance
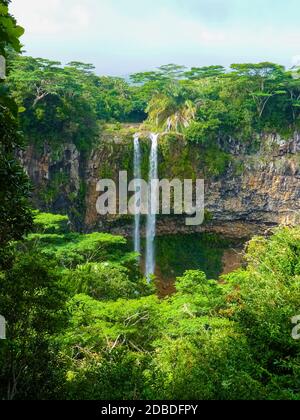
(3, 10)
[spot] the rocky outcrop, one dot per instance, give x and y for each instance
(57, 177)
(255, 192)
(267, 192)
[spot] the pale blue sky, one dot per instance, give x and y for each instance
(124, 36)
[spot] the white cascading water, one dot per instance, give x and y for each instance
(151, 219)
(137, 176)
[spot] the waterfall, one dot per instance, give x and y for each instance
(137, 176)
(151, 219)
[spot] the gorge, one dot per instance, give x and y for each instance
(244, 200)
(102, 303)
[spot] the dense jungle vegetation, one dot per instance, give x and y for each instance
(100, 332)
(70, 103)
(81, 321)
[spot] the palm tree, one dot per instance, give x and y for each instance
(171, 111)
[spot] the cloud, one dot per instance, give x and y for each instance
(52, 18)
(105, 21)
(296, 60)
(124, 35)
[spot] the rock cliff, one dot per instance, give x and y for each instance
(254, 191)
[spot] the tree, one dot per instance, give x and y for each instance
(172, 109)
(166, 73)
(263, 298)
(10, 32)
(15, 216)
(170, 113)
(197, 73)
(293, 89)
(32, 301)
(56, 102)
(172, 71)
(263, 81)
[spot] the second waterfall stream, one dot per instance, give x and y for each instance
(152, 203)
(151, 218)
(137, 176)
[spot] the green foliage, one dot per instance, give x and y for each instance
(10, 32)
(50, 223)
(118, 101)
(82, 322)
(207, 107)
(101, 334)
(264, 299)
(56, 102)
(54, 240)
(203, 103)
(170, 113)
(205, 359)
(196, 352)
(105, 281)
(191, 283)
(15, 217)
(47, 268)
(215, 161)
(74, 248)
(201, 132)
(68, 103)
(33, 304)
(209, 103)
(105, 347)
(197, 73)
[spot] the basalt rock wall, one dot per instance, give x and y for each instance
(244, 194)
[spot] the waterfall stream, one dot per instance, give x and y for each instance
(151, 219)
(137, 176)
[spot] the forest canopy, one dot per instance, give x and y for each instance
(71, 102)
(102, 333)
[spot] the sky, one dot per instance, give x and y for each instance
(125, 36)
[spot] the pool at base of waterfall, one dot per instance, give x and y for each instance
(210, 253)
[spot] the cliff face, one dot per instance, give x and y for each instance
(267, 192)
(58, 179)
(255, 191)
